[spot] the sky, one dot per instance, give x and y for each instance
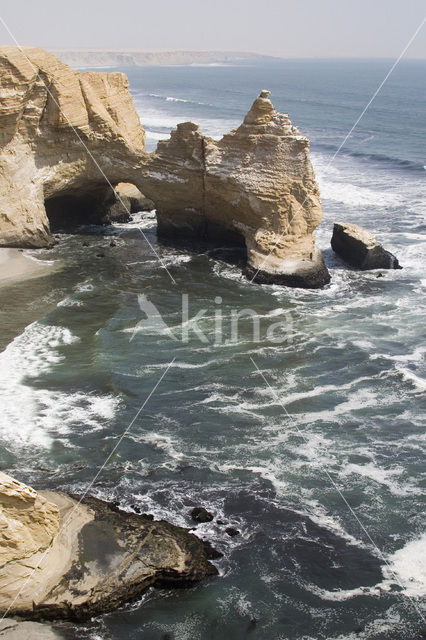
(285, 28)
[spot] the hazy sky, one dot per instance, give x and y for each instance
(296, 28)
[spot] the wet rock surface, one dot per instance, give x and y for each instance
(99, 557)
(200, 514)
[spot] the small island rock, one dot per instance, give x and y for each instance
(359, 248)
(200, 514)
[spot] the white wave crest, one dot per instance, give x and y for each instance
(42, 414)
(355, 195)
(408, 564)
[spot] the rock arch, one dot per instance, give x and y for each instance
(71, 208)
(70, 138)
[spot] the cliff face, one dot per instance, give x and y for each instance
(49, 113)
(28, 521)
(256, 186)
(68, 138)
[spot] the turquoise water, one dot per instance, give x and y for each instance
(319, 460)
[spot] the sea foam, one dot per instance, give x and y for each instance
(41, 413)
(408, 565)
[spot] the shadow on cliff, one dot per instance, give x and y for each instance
(232, 251)
(69, 210)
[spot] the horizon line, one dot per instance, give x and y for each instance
(212, 51)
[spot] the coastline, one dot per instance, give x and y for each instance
(15, 265)
(107, 58)
(213, 435)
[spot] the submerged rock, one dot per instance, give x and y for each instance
(359, 248)
(200, 514)
(73, 558)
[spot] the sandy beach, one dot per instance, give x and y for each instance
(16, 265)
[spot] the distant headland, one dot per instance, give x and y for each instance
(140, 58)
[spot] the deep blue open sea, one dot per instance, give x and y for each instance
(319, 461)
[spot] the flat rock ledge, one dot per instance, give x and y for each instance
(100, 558)
(359, 248)
(305, 273)
(19, 630)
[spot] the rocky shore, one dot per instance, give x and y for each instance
(65, 557)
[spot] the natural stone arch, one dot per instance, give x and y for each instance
(71, 137)
(87, 204)
(94, 202)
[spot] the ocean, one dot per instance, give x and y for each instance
(311, 446)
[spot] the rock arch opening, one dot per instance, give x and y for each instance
(129, 199)
(228, 244)
(94, 203)
(87, 204)
(201, 235)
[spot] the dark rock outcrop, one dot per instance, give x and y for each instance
(200, 514)
(359, 248)
(72, 559)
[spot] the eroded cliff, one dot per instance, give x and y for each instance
(63, 557)
(256, 185)
(28, 522)
(64, 137)
(67, 139)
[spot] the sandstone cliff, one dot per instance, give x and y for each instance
(67, 139)
(256, 186)
(28, 522)
(51, 117)
(67, 558)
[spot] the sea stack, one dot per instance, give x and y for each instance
(255, 187)
(359, 248)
